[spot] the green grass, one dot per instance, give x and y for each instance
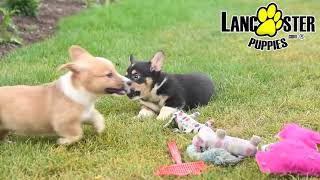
(258, 92)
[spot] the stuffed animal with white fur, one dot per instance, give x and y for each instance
(207, 138)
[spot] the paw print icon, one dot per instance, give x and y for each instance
(270, 20)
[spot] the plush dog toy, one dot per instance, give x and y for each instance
(207, 139)
(182, 122)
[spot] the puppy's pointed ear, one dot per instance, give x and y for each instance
(73, 67)
(78, 53)
(157, 61)
(132, 60)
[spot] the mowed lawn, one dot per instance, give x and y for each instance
(257, 92)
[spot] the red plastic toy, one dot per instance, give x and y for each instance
(180, 169)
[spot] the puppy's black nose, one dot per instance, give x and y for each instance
(129, 83)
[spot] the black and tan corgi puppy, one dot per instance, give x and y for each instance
(161, 93)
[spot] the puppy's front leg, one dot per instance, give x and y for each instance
(70, 132)
(166, 112)
(98, 121)
(145, 113)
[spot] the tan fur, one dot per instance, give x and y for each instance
(46, 109)
(151, 100)
(94, 71)
(144, 88)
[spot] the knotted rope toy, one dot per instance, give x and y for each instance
(216, 156)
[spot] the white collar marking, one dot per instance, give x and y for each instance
(80, 95)
(161, 84)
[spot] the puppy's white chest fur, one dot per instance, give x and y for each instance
(87, 114)
(79, 95)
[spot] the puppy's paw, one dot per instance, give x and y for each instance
(98, 121)
(100, 128)
(162, 117)
(144, 113)
(68, 140)
(166, 113)
(63, 141)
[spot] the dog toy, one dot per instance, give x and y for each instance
(185, 123)
(180, 169)
(207, 139)
(296, 152)
(293, 131)
(216, 156)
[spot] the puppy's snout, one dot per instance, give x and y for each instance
(125, 80)
(127, 83)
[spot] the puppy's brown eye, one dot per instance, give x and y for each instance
(109, 75)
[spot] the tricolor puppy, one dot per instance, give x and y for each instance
(163, 94)
(62, 106)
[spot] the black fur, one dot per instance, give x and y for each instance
(184, 91)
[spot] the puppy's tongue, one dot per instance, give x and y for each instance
(122, 92)
(115, 91)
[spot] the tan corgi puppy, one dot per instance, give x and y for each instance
(62, 106)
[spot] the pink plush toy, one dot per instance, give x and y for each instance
(293, 131)
(296, 152)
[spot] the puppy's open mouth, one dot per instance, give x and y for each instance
(115, 91)
(132, 94)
